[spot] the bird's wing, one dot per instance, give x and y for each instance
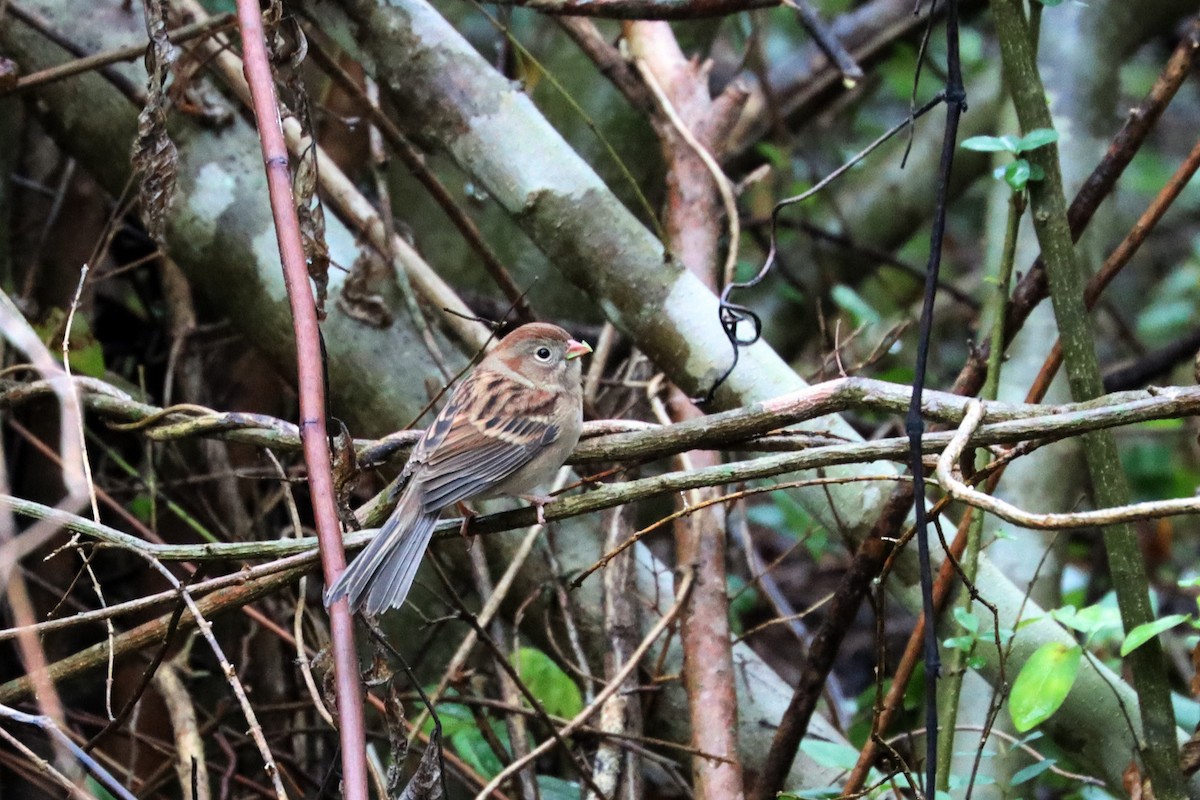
(491, 427)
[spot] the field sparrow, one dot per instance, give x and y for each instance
(507, 429)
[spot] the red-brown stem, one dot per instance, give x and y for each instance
(694, 224)
(1117, 260)
(312, 393)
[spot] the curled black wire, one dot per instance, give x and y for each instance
(730, 314)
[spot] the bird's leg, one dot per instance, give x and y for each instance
(539, 502)
(467, 515)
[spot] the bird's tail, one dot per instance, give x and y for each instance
(383, 573)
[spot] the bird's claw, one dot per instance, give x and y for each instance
(467, 516)
(539, 502)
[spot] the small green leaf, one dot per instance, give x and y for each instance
(1035, 139)
(1065, 616)
(1016, 174)
(141, 506)
(969, 621)
(830, 754)
(777, 156)
(812, 794)
(1031, 772)
(1036, 173)
(548, 683)
(1043, 684)
(474, 749)
(1148, 630)
(964, 643)
(1089, 620)
(453, 716)
(97, 790)
(552, 788)
(86, 354)
(987, 144)
(852, 303)
(1050, 3)
(460, 730)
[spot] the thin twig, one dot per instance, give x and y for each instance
(205, 628)
(614, 684)
(946, 467)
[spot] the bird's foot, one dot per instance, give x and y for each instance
(467, 515)
(539, 502)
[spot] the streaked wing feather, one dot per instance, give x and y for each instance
(463, 454)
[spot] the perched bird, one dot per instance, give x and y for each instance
(507, 429)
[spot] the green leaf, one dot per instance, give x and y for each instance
(830, 754)
(964, 643)
(783, 514)
(97, 789)
(548, 683)
(86, 354)
(780, 159)
(1035, 139)
(453, 716)
(969, 621)
(88, 360)
(1090, 620)
(812, 794)
(1043, 684)
(460, 730)
(552, 788)
(1050, 3)
(1031, 772)
(1095, 618)
(1016, 174)
(852, 303)
(140, 506)
(989, 144)
(1148, 630)
(474, 749)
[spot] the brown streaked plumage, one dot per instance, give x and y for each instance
(507, 428)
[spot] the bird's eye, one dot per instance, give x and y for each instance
(542, 354)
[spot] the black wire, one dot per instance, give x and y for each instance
(914, 423)
(730, 314)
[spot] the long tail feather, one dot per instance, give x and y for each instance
(383, 573)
